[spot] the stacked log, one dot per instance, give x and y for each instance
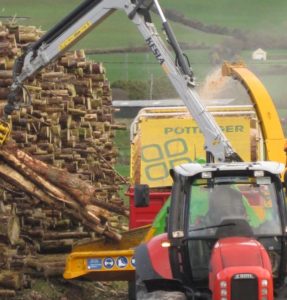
(11, 277)
(68, 117)
(43, 210)
(67, 122)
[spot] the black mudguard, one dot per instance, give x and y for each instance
(144, 268)
(146, 274)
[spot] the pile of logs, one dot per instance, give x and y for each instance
(67, 122)
(56, 188)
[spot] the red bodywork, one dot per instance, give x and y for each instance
(243, 256)
(140, 216)
(159, 256)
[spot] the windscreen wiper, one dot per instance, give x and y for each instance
(213, 226)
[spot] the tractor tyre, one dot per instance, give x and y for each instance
(162, 295)
(282, 294)
(143, 294)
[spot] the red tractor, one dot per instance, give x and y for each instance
(225, 239)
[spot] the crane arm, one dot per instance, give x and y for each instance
(89, 14)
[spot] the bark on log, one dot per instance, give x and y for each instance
(7, 293)
(9, 229)
(65, 235)
(80, 190)
(11, 280)
(32, 183)
(58, 246)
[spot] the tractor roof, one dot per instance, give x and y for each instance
(195, 168)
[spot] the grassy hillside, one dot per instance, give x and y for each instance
(264, 18)
(256, 15)
(117, 31)
(253, 15)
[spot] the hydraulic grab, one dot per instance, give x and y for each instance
(88, 15)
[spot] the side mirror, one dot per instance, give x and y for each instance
(141, 194)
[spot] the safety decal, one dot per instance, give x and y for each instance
(75, 35)
(109, 263)
(95, 264)
(133, 261)
(122, 262)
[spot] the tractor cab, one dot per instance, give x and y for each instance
(226, 232)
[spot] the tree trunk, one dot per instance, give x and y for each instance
(11, 280)
(9, 228)
(7, 293)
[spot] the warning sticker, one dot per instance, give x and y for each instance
(75, 35)
(122, 262)
(109, 263)
(95, 263)
(133, 261)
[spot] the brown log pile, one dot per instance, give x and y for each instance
(51, 221)
(62, 187)
(69, 122)
(58, 189)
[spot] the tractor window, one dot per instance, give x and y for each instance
(244, 208)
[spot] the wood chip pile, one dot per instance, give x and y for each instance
(67, 122)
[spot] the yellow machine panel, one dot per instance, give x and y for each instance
(170, 142)
(164, 141)
(106, 260)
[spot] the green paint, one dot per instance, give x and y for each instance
(159, 222)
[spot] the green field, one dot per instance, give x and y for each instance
(122, 142)
(117, 31)
(135, 66)
(255, 15)
(265, 18)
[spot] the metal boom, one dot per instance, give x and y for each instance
(89, 14)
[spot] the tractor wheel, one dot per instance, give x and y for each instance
(282, 294)
(143, 294)
(162, 295)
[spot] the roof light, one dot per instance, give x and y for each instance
(206, 174)
(258, 173)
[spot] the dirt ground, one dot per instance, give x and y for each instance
(60, 289)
